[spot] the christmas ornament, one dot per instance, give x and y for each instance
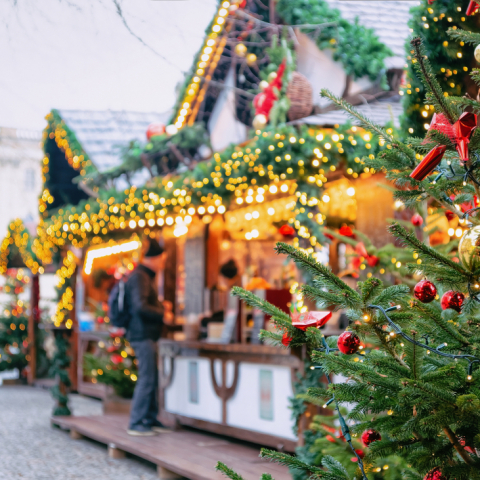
(435, 474)
(346, 231)
(263, 85)
(240, 49)
(476, 53)
(428, 164)
(369, 436)
(171, 130)
(425, 291)
(472, 8)
(453, 300)
(348, 343)
(463, 129)
(251, 59)
(116, 358)
(462, 442)
(310, 319)
(286, 230)
(417, 220)
(286, 339)
(155, 129)
(272, 76)
(259, 121)
(469, 249)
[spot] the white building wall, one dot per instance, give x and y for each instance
(322, 71)
(20, 176)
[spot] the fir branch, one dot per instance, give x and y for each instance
(464, 36)
(290, 461)
(228, 472)
(367, 124)
(324, 273)
(251, 299)
(428, 78)
(326, 298)
(266, 476)
(410, 239)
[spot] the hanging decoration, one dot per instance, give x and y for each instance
(302, 321)
(435, 474)
(453, 300)
(472, 7)
(369, 436)
(348, 343)
(459, 133)
(425, 291)
(264, 101)
(155, 130)
(417, 220)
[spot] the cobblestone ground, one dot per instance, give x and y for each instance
(32, 450)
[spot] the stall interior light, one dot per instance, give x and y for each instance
(106, 251)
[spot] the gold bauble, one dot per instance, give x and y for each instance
(263, 85)
(240, 49)
(259, 121)
(272, 76)
(476, 53)
(469, 249)
(251, 59)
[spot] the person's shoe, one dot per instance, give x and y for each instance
(141, 431)
(159, 427)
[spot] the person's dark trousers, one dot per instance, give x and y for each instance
(144, 408)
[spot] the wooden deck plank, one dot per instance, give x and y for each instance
(189, 453)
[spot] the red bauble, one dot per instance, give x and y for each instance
(348, 343)
(346, 231)
(111, 349)
(286, 339)
(369, 436)
(435, 474)
(155, 129)
(116, 358)
(453, 300)
(425, 291)
(100, 320)
(286, 231)
(417, 220)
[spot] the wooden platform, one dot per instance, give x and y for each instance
(187, 453)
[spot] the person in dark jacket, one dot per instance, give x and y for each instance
(144, 329)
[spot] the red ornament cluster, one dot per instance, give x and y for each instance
(369, 436)
(435, 474)
(453, 300)
(348, 343)
(425, 291)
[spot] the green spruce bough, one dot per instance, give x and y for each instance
(417, 381)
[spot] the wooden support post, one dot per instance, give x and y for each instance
(33, 320)
(74, 435)
(165, 474)
(114, 452)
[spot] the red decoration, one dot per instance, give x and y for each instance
(373, 261)
(462, 442)
(286, 339)
(348, 343)
(428, 164)
(346, 231)
(155, 129)
(286, 230)
(435, 474)
(453, 300)
(417, 220)
(116, 358)
(360, 249)
(310, 319)
(369, 436)
(264, 101)
(111, 348)
(472, 8)
(425, 291)
(463, 129)
(100, 320)
(449, 214)
(360, 453)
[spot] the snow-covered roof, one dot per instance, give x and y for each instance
(380, 113)
(389, 20)
(102, 133)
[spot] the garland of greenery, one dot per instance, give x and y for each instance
(286, 155)
(18, 238)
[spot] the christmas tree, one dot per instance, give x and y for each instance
(115, 365)
(14, 323)
(410, 357)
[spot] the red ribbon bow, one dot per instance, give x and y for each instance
(311, 319)
(460, 133)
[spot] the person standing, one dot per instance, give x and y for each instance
(147, 316)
